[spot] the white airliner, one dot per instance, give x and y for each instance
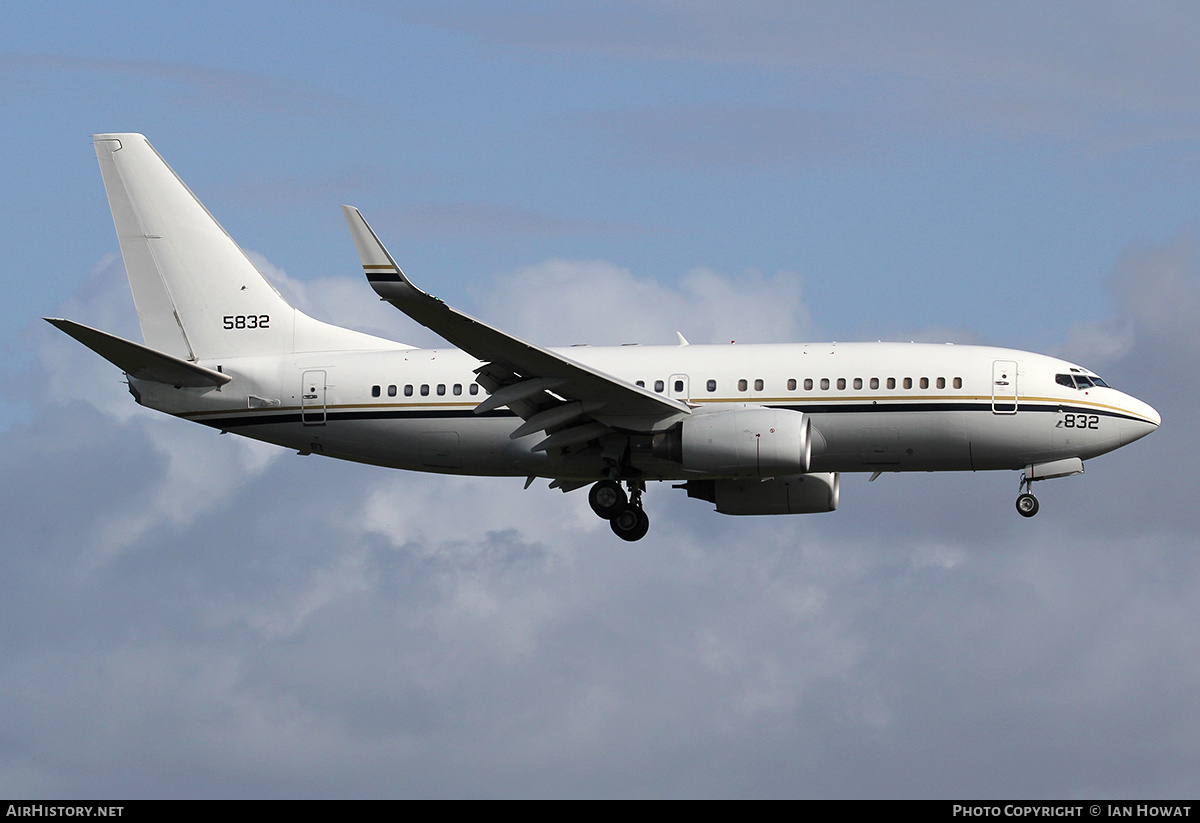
(753, 429)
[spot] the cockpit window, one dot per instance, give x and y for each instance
(1079, 381)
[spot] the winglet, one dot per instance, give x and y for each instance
(381, 270)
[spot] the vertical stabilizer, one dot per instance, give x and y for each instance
(197, 294)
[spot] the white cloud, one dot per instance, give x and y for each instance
(1157, 290)
(220, 618)
(1096, 344)
(562, 302)
(1158, 286)
(68, 370)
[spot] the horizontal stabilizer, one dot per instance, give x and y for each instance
(141, 362)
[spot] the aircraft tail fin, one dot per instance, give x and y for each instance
(198, 296)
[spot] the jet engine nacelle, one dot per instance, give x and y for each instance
(801, 494)
(756, 442)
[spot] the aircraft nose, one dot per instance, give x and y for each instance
(1154, 416)
(1143, 420)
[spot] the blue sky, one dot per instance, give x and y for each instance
(1020, 174)
(915, 167)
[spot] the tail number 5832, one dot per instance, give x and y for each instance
(247, 321)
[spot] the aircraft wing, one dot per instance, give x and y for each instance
(518, 374)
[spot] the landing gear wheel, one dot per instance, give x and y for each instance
(630, 523)
(607, 498)
(1027, 505)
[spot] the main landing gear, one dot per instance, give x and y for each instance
(623, 512)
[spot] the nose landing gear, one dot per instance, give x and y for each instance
(1027, 504)
(624, 513)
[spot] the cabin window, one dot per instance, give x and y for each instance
(441, 389)
(924, 382)
(874, 382)
(391, 391)
(641, 383)
(791, 384)
(457, 389)
(758, 385)
(374, 391)
(941, 382)
(742, 385)
(408, 390)
(678, 385)
(424, 389)
(908, 382)
(658, 386)
(891, 382)
(858, 382)
(711, 385)
(841, 383)
(474, 388)
(958, 382)
(808, 384)
(824, 384)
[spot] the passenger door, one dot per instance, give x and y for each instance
(312, 398)
(1004, 387)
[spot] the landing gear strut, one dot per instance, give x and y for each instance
(623, 512)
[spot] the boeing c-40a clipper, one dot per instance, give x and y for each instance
(753, 429)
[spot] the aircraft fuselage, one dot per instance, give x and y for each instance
(872, 406)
